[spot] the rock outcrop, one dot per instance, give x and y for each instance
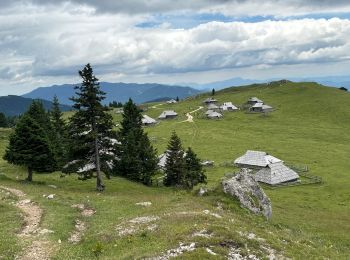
(251, 196)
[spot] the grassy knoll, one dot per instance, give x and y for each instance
(310, 126)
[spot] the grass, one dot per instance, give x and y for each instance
(310, 127)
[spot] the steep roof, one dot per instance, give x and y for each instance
(166, 113)
(256, 158)
(209, 112)
(276, 173)
(212, 106)
(227, 105)
(171, 101)
(148, 120)
(258, 104)
(255, 99)
(214, 115)
(210, 100)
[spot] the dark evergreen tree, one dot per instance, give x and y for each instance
(177, 99)
(92, 139)
(137, 159)
(29, 146)
(3, 120)
(194, 170)
(175, 165)
(59, 134)
(213, 92)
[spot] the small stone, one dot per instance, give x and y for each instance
(59, 241)
(51, 196)
(202, 191)
(52, 186)
(145, 204)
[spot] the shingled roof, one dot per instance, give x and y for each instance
(146, 120)
(256, 158)
(276, 173)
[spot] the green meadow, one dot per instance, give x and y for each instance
(310, 126)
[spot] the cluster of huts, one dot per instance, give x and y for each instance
(214, 111)
(268, 169)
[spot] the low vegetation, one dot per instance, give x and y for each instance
(309, 127)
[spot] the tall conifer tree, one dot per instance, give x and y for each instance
(194, 170)
(92, 139)
(29, 146)
(137, 158)
(175, 167)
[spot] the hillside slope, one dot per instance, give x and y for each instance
(120, 92)
(310, 127)
(15, 105)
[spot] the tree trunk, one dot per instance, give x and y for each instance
(99, 184)
(30, 174)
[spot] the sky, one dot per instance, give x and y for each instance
(46, 42)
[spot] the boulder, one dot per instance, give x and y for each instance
(251, 196)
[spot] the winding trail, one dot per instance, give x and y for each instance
(190, 117)
(39, 248)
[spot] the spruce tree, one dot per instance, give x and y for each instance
(213, 92)
(92, 139)
(175, 165)
(29, 146)
(194, 170)
(137, 159)
(59, 133)
(3, 120)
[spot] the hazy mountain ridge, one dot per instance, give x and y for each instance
(15, 105)
(120, 92)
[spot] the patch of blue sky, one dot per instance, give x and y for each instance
(190, 20)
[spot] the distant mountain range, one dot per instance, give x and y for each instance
(15, 105)
(121, 92)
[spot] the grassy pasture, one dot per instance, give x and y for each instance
(309, 127)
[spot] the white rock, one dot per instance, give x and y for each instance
(145, 204)
(51, 196)
(210, 251)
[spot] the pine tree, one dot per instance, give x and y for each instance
(177, 99)
(30, 146)
(213, 92)
(137, 158)
(175, 166)
(194, 170)
(92, 139)
(3, 120)
(59, 133)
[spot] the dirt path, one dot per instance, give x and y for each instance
(190, 117)
(39, 248)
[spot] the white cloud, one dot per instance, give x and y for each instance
(42, 45)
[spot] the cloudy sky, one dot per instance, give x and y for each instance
(45, 42)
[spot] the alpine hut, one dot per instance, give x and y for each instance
(210, 100)
(276, 173)
(146, 120)
(260, 107)
(255, 160)
(167, 114)
(254, 100)
(212, 106)
(228, 106)
(214, 115)
(171, 101)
